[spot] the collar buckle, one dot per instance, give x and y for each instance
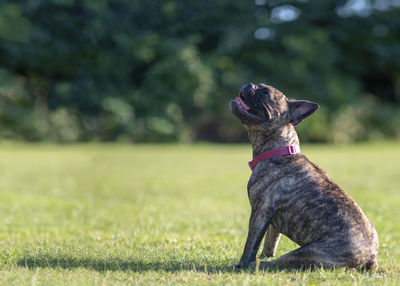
(292, 149)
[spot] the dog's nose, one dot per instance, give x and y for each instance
(246, 88)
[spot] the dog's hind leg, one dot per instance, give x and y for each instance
(271, 242)
(308, 256)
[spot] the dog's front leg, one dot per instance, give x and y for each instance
(258, 224)
(271, 242)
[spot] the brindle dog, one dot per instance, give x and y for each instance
(293, 196)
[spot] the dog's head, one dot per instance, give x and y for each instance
(261, 107)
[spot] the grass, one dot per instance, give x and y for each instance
(167, 214)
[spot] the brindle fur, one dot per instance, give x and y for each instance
(292, 196)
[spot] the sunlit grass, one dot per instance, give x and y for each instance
(126, 214)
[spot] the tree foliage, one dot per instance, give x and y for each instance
(165, 70)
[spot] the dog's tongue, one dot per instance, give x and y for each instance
(242, 104)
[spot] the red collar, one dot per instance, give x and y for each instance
(287, 150)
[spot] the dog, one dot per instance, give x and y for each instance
(292, 196)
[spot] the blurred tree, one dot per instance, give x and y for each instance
(164, 70)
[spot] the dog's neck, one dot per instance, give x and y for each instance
(263, 141)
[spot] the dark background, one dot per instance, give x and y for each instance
(165, 70)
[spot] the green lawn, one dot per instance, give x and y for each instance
(121, 214)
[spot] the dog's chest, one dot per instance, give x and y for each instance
(265, 185)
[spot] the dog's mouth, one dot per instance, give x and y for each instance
(243, 111)
(242, 105)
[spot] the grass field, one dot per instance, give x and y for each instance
(167, 214)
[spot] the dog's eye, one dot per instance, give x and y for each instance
(265, 92)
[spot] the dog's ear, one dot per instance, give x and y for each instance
(300, 110)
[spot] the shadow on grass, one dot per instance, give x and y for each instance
(118, 264)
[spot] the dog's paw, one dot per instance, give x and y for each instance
(240, 265)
